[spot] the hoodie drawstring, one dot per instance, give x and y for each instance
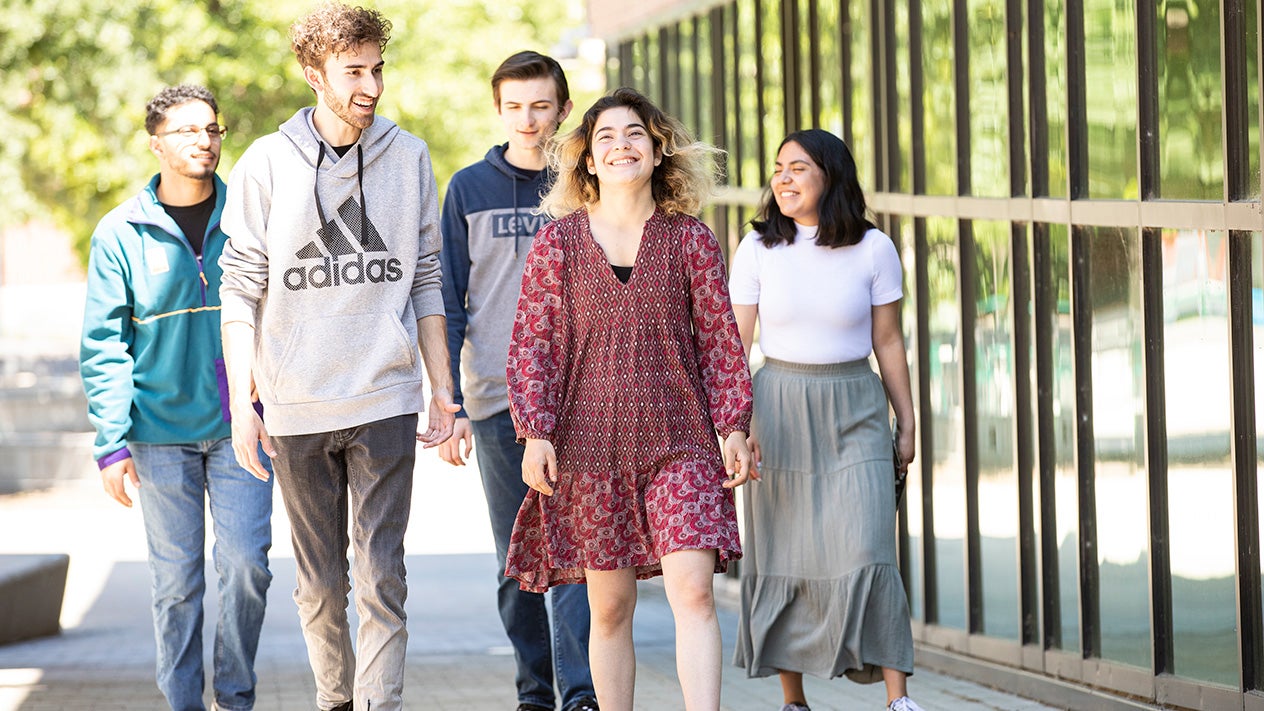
(364, 206)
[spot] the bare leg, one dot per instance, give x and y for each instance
(611, 656)
(896, 682)
(689, 578)
(792, 687)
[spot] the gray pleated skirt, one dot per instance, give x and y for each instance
(821, 593)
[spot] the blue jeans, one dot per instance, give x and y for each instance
(537, 649)
(176, 480)
(369, 467)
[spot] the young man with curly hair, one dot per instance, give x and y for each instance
(331, 284)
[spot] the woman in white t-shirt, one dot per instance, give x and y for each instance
(821, 593)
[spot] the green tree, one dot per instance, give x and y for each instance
(77, 75)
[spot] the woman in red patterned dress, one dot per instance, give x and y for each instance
(624, 366)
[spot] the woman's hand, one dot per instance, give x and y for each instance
(905, 445)
(738, 460)
(539, 465)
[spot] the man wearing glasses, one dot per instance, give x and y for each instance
(152, 365)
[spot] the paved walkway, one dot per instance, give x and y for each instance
(458, 656)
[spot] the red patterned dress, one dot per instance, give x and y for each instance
(631, 383)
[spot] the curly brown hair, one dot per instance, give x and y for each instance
(334, 28)
(683, 181)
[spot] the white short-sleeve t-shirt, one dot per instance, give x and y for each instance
(815, 303)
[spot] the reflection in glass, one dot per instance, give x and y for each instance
(989, 104)
(994, 384)
(750, 174)
(862, 84)
(1199, 480)
(707, 130)
(831, 87)
(683, 85)
(1253, 101)
(1066, 488)
(1257, 337)
(1110, 58)
(1119, 444)
(653, 81)
(1056, 94)
(1191, 158)
(903, 88)
(945, 420)
(912, 501)
(774, 82)
(938, 99)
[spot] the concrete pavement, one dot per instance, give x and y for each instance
(458, 656)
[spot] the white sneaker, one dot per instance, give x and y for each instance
(795, 707)
(904, 703)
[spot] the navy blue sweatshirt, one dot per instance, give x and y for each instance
(488, 223)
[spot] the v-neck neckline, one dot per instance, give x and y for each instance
(591, 239)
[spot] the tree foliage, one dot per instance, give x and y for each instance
(77, 74)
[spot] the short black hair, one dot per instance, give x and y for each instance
(531, 65)
(843, 215)
(157, 108)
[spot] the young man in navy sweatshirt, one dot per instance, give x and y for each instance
(488, 222)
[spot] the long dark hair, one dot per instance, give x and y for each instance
(841, 212)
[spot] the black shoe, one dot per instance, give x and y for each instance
(587, 703)
(534, 707)
(342, 707)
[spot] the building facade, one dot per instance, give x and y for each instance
(1074, 188)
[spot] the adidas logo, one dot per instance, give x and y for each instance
(329, 272)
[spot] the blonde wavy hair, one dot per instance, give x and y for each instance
(682, 182)
(334, 28)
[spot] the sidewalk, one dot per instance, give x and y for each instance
(458, 656)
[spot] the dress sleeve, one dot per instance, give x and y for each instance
(721, 360)
(536, 348)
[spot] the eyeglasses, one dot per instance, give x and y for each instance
(191, 133)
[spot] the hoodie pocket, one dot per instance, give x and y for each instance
(339, 357)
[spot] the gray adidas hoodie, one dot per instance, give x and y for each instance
(333, 289)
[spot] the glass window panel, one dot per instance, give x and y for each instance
(687, 91)
(989, 107)
(1056, 94)
(804, 40)
(904, 90)
(945, 420)
(831, 88)
(1200, 479)
(774, 83)
(707, 130)
(862, 84)
(1257, 337)
(1191, 154)
(912, 501)
(640, 63)
(939, 100)
(751, 172)
(653, 72)
(1066, 486)
(994, 384)
(1253, 99)
(1119, 444)
(1110, 58)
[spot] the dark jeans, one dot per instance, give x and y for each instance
(372, 467)
(538, 650)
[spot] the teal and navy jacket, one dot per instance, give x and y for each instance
(151, 355)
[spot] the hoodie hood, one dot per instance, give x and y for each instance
(373, 142)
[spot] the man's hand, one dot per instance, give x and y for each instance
(112, 477)
(248, 434)
(539, 465)
(453, 452)
(738, 460)
(442, 419)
